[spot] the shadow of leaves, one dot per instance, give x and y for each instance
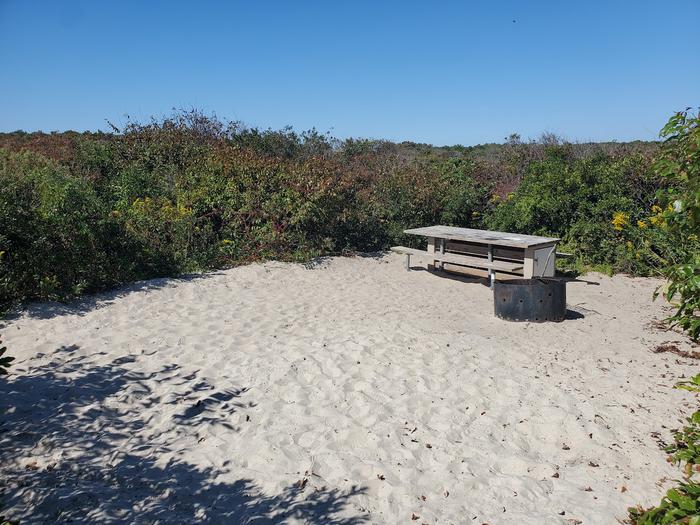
(70, 453)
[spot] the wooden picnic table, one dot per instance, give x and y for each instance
(511, 253)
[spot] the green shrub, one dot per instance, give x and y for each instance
(165, 198)
(686, 440)
(680, 506)
(680, 162)
(189, 193)
(575, 199)
(686, 444)
(52, 226)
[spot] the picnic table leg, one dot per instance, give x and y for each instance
(408, 262)
(442, 252)
(492, 275)
(431, 249)
(529, 263)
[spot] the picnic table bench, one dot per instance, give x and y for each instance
(514, 254)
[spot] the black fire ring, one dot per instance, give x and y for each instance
(535, 300)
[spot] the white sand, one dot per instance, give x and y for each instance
(346, 392)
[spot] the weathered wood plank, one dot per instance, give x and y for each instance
(465, 260)
(409, 251)
(482, 236)
(431, 249)
(472, 248)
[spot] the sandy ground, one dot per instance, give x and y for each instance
(346, 392)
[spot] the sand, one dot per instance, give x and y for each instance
(347, 391)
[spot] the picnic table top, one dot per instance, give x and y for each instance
(516, 240)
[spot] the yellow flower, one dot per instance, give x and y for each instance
(656, 209)
(642, 224)
(475, 214)
(629, 245)
(184, 210)
(620, 220)
(656, 219)
(510, 196)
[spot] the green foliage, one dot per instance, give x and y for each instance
(54, 237)
(575, 199)
(427, 192)
(692, 385)
(190, 192)
(686, 440)
(686, 445)
(679, 162)
(680, 506)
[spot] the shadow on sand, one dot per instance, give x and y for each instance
(571, 315)
(322, 261)
(69, 453)
(87, 303)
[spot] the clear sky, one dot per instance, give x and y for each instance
(461, 72)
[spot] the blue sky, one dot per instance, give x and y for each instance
(439, 72)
